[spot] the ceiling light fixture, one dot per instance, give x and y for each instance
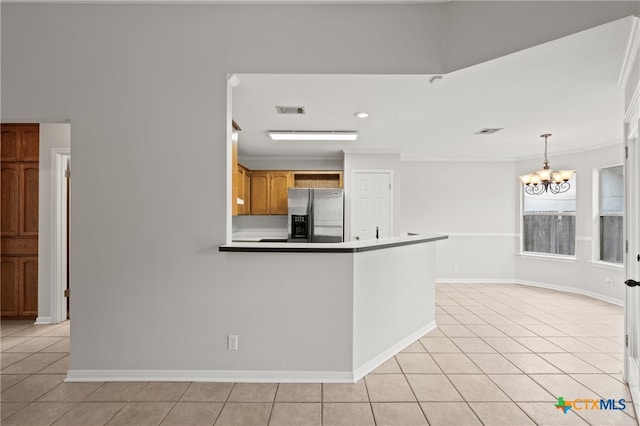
(311, 135)
(546, 179)
(361, 114)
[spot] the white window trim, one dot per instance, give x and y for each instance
(595, 248)
(543, 256)
(608, 265)
(548, 256)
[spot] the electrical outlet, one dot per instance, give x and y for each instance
(232, 342)
(454, 266)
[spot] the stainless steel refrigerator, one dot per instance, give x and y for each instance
(316, 215)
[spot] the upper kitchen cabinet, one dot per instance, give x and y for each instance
(269, 192)
(317, 179)
(20, 142)
(280, 184)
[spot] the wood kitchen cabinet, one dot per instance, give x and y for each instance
(234, 167)
(317, 179)
(19, 220)
(269, 192)
(279, 197)
(244, 189)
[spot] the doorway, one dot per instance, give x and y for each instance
(632, 305)
(371, 216)
(61, 160)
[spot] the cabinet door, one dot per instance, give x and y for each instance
(10, 142)
(10, 267)
(280, 184)
(241, 189)
(20, 142)
(247, 192)
(10, 209)
(29, 288)
(30, 142)
(260, 193)
(29, 199)
(234, 175)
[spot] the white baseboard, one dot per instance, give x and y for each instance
(246, 376)
(566, 289)
(475, 281)
(608, 299)
(209, 376)
(43, 320)
(381, 358)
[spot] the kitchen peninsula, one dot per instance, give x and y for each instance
(333, 312)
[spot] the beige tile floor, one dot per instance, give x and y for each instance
(501, 356)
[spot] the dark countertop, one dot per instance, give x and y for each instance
(349, 247)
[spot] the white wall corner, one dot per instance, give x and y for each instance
(380, 359)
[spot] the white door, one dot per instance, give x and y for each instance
(371, 205)
(632, 269)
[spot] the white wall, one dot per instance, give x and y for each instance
(473, 203)
(52, 136)
(584, 274)
(253, 163)
(150, 288)
(394, 294)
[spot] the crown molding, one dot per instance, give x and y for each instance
(634, 104)
(617, 142)
(457, 160)
(631, 52)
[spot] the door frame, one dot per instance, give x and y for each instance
(60, 158)
(355, 172)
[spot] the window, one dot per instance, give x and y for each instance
(611, 214)
(549, 222)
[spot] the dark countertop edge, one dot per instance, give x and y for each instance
(372, 247)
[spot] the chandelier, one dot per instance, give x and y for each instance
(546, 179)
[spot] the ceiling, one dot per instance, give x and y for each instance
(567, 87)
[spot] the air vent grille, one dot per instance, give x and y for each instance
(488, 131)
(290, 110)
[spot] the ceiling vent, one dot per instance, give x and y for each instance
(488, 131)
(290, 110)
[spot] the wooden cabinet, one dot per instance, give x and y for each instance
(279, 196)
(269, 192)
(20, 142)
(244, 190)
(19, 220)
(317, 179)
(266, 191)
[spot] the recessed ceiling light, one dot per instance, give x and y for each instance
(361, 114)
(307, 135)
